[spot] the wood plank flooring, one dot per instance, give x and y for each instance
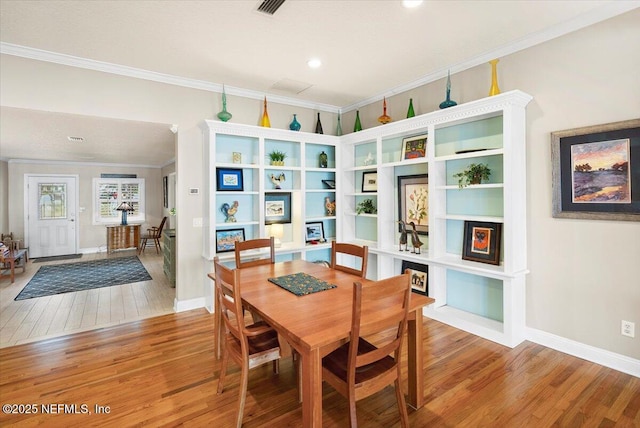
(162, 372)
(50, 316)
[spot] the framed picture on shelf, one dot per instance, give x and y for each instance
(277, 208)
(226, 239)
(331, 184)
(369, 181)
(419, 276)
(414, 147)
(229, 179)
(596, 172)
(413, 202)
(481, 242)
(314, 232)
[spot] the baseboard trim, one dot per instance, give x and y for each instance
(187, 305)
(603, 357)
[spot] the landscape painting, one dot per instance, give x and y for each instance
(601, 173)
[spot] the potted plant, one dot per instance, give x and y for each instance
(277, 157)
(473, 174)
(366, 207)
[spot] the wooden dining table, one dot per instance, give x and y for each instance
(316, 324)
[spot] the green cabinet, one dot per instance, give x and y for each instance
(169, 249)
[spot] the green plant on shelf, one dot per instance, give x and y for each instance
(473, 174)
(277, 157)
(366, 207)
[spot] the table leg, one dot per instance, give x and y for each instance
(415, 360)
(311, 388)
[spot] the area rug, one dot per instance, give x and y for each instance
(70, 277)
(56, 258)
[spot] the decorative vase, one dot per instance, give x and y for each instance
(384, 118)
(319, 125)
(410, 112)
(294, 125)
(494, 90)
(339, 127)
(265, 116)
(323, 160)
(357, 126)
(448, 102)
(224, 115)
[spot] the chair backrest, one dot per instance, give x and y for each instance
(159, 232)
(352, 250)
(228, 294)
(255, 244)
(378, 306)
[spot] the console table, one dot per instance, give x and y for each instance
(123, 237)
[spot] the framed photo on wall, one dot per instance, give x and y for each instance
(226, 239)
(413, 202)
(229, 179)
(414, 147)
(314, 231)
(369, 181)
(277, 207)
(481, 242)
(419, 276)
(165, 191)
(596, 172)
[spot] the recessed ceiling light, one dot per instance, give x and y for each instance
(314, 63)
(410, 4)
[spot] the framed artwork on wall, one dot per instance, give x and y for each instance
(277, 207)
(369, 181)
(226, 239)
(596, 172)
(413, 202)
(414, 147)
(419, 276)
(481, 242)
(165, 191)
(229, 179)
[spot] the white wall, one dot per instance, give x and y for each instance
(585, 275)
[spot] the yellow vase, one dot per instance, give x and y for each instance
(265, 116)
(495, 90)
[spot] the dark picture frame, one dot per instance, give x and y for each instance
(419, 277)
(314, 232)
(331, 184)
(413, 202)
(481, 242)
(229, 180)
(596, 172)
(369, 181)
(277, 207)
(226, 239)
(414, 147)
(165, 191)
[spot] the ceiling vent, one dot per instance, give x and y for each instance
(270, 6)
(76, 139)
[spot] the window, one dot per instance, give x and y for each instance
(109, 193)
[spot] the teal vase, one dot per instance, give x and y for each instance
(357, 126)
(294, 125)
(224, 115)
(448, 102)
(410, 112)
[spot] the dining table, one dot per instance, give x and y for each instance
(316, 324)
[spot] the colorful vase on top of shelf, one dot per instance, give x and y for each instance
(339, 127)
(265, 116)
(323, 160)
(448, 102)
(357, 126)
(494, 90)
(384, 118)
(319, 125)
(294, 125)
(224, 115)
(410, 112)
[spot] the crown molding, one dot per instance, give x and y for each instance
(80, 163)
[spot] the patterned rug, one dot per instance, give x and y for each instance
(70, 277)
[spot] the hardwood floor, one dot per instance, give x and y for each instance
(162, 372)
(28, 320)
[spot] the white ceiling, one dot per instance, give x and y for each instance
(368, 49)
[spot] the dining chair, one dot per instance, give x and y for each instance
(255, 244)
(248, 345)
(361, 252)
(154, 233)
(359, 368)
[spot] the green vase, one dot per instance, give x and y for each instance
(410, 112)
(319, 126)
(224, 115)
(339, 127)
(357, 126)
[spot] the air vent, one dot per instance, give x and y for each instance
(270, 6)
(76, 139)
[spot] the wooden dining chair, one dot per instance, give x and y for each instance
(255, 244)
(154, 233)
(361, 252)
(358, 368)
(248, 345)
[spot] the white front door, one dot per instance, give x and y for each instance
(51, 222)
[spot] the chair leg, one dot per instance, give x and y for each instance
(244, 380)
(223, 371)
(353, 420)
(143, 243)
(402, 406)
(156, 242)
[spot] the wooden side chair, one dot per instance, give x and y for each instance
(248, 345)
(255, 244)
(154, 233)
(358, 368)
(352, 250)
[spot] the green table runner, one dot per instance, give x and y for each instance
(301, 283)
